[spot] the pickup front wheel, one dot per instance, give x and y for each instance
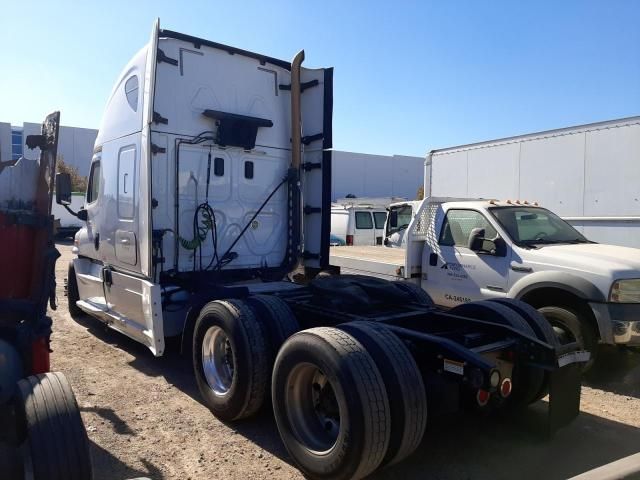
(571, 326)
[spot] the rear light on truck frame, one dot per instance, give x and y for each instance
(350, 240)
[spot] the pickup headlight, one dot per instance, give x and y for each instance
(625, 291)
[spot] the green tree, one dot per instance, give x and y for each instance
(78, 182)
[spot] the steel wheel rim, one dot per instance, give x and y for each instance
(218, 362)
(312, 408)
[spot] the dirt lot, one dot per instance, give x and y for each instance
(144, 418)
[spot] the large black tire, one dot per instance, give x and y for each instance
(56, 443)
(73, 295)
(403, 383)
(572, 321)
(330, 405)
(417, 294)
(540, 325)
(277, 318)
(542, 328)
(528, 382)
(235, 350)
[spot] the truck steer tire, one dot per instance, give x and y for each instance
(330, 405)
(230, 359)
(404, 386)
(276, 317)
(417, 294)
(73, 295)
(56, 443)
(528, 382)
(576, 329)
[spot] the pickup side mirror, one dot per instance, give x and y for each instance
(82, 215)
(478, 243)
(476, 239)
(63, 189)
(393, 218)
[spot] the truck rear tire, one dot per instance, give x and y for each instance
(404, 386)
(73, 295)
(230, 359)
(528, 382)
(569, 320)
(541, 326)
(56, 443)
(277, 318)
(330, 405)
(417, 294)
(536, 320)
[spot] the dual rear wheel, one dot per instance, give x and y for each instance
(346, 400)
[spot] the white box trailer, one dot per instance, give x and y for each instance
(588, 174)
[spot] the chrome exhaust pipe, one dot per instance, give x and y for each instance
(296, 136)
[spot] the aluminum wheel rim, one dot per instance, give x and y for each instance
(312, 408)
(217, 361)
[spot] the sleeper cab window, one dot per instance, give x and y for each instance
(93, 188)
(131, 91)
(364, 221)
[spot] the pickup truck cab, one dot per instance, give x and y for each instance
(462, 250)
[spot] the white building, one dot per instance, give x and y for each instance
(75, 145)
(365, 175)
(357, 174)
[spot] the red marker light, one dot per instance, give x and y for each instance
(506, 387)
(482, 397)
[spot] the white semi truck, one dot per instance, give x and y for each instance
(589, 175)
(462, 250)
(209, 185)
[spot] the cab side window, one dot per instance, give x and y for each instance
(93, 188)
(458, 224)
(364, 220)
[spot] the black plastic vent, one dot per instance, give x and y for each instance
(237, 130)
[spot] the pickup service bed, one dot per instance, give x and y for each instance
(377, 261)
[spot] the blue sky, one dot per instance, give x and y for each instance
(409, 76)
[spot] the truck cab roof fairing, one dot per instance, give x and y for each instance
(119, 117)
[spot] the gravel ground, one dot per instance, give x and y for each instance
(144, 418)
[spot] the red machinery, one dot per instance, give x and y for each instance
(41, 432)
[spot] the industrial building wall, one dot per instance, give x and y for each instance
(75, 145)
(365, 175)
(5, 142)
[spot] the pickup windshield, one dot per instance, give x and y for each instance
(529, 226)
(404, 218)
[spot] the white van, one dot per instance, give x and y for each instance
(359, 221)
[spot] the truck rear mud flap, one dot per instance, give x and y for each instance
(565, 385)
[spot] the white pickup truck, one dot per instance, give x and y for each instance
(461, 250)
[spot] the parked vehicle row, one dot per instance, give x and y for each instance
(462, 250)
